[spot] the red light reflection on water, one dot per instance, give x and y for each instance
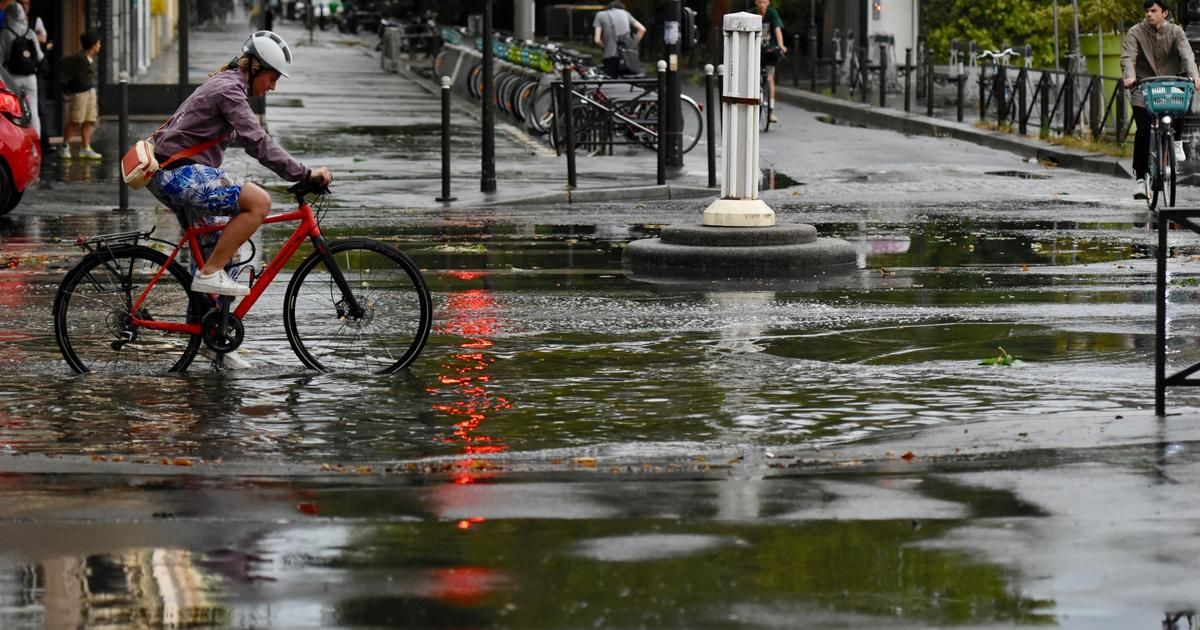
(470, 314)
(464, 586)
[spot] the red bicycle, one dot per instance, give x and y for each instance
(355, 304)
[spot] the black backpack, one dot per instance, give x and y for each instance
(22, 57)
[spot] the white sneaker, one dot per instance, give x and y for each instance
(1180, 156)
(218, 283)
(1139, 189)
(231, 361)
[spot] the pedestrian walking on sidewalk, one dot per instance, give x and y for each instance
(21, 54)
(218, 115)
(618, 33)
(773, 48)
(77, 74)
(1154, 47)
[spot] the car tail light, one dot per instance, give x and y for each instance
(10, 106)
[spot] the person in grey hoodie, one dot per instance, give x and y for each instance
(16, 27)
(1154, 47)
(216, 116)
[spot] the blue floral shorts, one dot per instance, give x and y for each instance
(199, 195)
(196, 192)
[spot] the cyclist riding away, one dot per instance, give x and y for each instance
(773, 48)
(1154, 47)
(218, 114)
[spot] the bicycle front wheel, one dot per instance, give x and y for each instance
(396, 317)
(92, 321)
(1168, 151)
(764, 107)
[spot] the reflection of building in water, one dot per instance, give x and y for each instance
(471, 315)
(143, 588)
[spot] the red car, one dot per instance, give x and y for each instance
(20, 150)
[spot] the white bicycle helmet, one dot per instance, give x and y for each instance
(270, 50)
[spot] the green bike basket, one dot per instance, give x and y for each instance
(1168, 96)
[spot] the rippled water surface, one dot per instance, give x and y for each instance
(542, 342)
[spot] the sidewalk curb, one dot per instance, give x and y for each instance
(665, 192)
(918, 124)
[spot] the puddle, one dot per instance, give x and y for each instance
(861, 176)
(775, 180)
(830, 120)
(1019, 174)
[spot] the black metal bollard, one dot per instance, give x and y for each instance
(908, 70)
(568, 99)
(928, 84)
(1044, 98)
(813, 61)
(123, 142)
(487, 173)
(833, 77)
(883, 75)
(1001, 83)
(660, 124)
(710, 85)
(446, 198)
(796, 60)
(982, 94)
(1022, 98)
(1069, 102)
(864, 72)
(962, 95)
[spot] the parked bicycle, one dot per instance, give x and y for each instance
(1001, 88)
(1166, 97)
(355, 304)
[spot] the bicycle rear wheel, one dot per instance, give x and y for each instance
(92, 313)
(388, 336)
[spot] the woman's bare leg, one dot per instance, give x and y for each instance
(255, 204)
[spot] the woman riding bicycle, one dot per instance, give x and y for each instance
(214, 117)
(1154, 47)
(772, 46)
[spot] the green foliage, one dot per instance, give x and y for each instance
(1010, 22)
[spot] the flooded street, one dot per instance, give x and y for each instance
(542, 342)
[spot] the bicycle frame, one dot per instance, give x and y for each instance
(307, 230)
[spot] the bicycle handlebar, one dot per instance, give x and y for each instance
(306, 187)
(999, 53)
(1165, 77)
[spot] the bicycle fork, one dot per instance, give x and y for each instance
(349, 306)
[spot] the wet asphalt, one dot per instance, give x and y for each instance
(828, 455)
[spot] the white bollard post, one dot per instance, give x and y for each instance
(739, 205)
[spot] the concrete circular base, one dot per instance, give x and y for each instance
(785, 251)
(739, 213)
